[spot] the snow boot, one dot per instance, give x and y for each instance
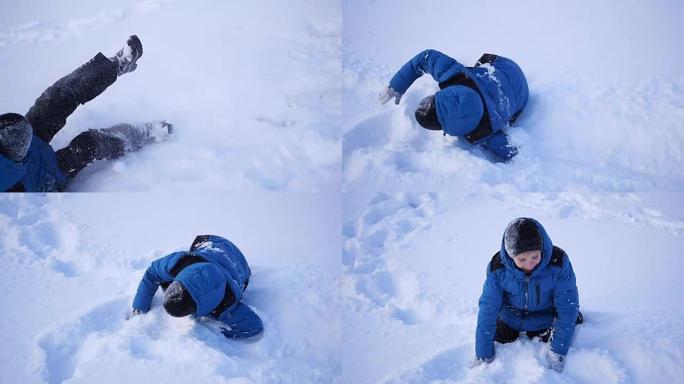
(128, 55)
(137, 136)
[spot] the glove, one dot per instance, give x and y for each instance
(133, 313)
(556, 361)
(388, 94)
(480, 361)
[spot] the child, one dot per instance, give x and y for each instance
(473, 102)
(209, 280)
(28, 162)
(530, 287)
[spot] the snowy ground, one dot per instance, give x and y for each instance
(71, 265)
(282, 96)
(606, 95)
(414, 266)
(253, 89)
(424, 213)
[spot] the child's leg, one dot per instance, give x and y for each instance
(543, 334)
(504, 333)
(87, 147)
(50, 111)
(109, 143)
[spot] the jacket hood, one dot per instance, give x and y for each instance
(206, 284)
(459, 109)
(547, 250)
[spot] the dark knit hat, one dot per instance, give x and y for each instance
(177, 300)
(522, 235)
(15, 136)
(426, 114)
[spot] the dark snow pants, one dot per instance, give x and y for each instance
(50, 111)
(506, 334)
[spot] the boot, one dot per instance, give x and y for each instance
(137, 136)
(128, 55)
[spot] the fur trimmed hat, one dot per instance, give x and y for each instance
(426, 114)
(522, 235)
(15, 136)
(177, 300)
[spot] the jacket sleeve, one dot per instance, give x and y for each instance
(10, 172)
(566, 300)
(437, 64)
(154, 276)
(499, 146)
(243, 322)
(490, 306)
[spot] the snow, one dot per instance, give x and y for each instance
(600, 166)
(208, 245)
(72, 263)
(253, 90)
(601, 143)
(281, 144)
(414, 266)
(605, 110)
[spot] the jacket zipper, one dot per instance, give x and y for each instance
(538, 299)
(527, 299)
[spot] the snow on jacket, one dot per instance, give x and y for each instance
(215, 273)
(38, 172)
(545, 298)
(501, 84)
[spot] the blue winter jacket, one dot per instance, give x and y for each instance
(545, 298)
(38, 172)
(501, 83)
(215, 274)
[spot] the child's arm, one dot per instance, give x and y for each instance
(437, 64)
(490, 306)
(243, 322)
(154, 276)
(566, 300)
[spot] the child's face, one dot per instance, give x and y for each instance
(527, 261)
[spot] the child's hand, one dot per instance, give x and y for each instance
(133, 314)
(389, 94)
(479, 361)
(556, 361)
